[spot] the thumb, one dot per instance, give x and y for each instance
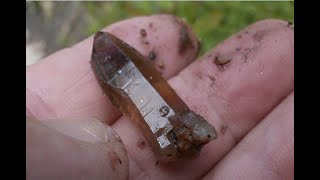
(74, 149)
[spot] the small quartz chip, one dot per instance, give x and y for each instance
(138, 90)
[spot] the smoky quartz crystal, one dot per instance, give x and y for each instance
(144, 96)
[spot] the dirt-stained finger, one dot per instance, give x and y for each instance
(63, 84)
(233, 86)
(267, 152)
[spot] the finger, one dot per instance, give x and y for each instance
(266, 152)
(84, 149)
(63, 85)
(233, 97)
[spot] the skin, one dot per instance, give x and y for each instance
(249, 100)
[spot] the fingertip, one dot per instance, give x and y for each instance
(270, 22)
(165, 40)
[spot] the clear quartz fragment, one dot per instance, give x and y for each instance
(133, 85)
(145, 98)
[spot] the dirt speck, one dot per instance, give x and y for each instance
(248, 51)
(258, 36)
(198, 75)
(184, 39)
(222, 59)
(141, 144)
(150, 25)
(238, 48)
(290, 24)
(223, 129)
(239, 36)
(115, 160)
(145, 41)
(212, 79)
(143, 32)
(157, 163)
(246, 32)
(161, 65)
(152, 55)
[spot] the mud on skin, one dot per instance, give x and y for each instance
(184, 40)
(255, 38)
(152, 55)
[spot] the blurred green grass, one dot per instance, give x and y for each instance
(212, 21)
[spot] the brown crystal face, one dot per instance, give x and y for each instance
(139, 91)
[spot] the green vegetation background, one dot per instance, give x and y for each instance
(211, 21)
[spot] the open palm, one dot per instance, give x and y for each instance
(249, 100)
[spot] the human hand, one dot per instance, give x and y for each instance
(249, 100)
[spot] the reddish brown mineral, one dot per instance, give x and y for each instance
(139, 91)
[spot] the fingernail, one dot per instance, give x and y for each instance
(89, 130)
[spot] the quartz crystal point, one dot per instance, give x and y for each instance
(139, 91)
